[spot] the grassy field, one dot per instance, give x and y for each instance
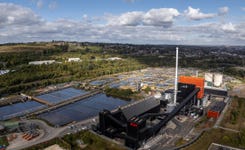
(85, 139)
(25, 47)
(238, 90)
(3, 141)
(57, 141)
(92, 141)
(235, 116)
(218, 136)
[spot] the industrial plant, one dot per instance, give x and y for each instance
(143, 120)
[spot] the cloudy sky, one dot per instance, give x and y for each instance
(194, 22)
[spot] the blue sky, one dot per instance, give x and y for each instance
(195, 22)
(76, 8)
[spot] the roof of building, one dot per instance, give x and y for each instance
(4, 72)
(214, 91)
(218, 106)
(41, 62)
(139, 108)
(74, 59)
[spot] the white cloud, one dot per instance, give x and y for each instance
(12, 14)
(21, 24)
(223, 10)
(160, 17)
(129, 19)
(154, 17)
(195, 14)
(228, 27)
(243, 8)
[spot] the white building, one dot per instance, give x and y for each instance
(74, 59)
(46, 62)
(114, 58)
(4, 72)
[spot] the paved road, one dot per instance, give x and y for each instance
(49, 133)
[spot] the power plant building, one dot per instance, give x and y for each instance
(139, 121)
(199, 82)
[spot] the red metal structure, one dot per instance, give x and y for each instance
(213, 114)
(199, 82)
(216, 109)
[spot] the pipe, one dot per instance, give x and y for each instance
(176, 76)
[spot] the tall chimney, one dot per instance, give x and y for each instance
(176, 76)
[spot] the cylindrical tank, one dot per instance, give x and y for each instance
(208, 77)
(218, 79)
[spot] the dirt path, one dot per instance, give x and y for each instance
(238, 90)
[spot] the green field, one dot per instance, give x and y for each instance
(235, 115)
(25, 47)
(86, 139)
(3, 141)
(93, 142)
(219, 136)
(57, 141)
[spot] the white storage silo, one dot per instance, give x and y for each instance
(208, 77)
(218, 79)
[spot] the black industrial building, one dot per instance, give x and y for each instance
(137, 122)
